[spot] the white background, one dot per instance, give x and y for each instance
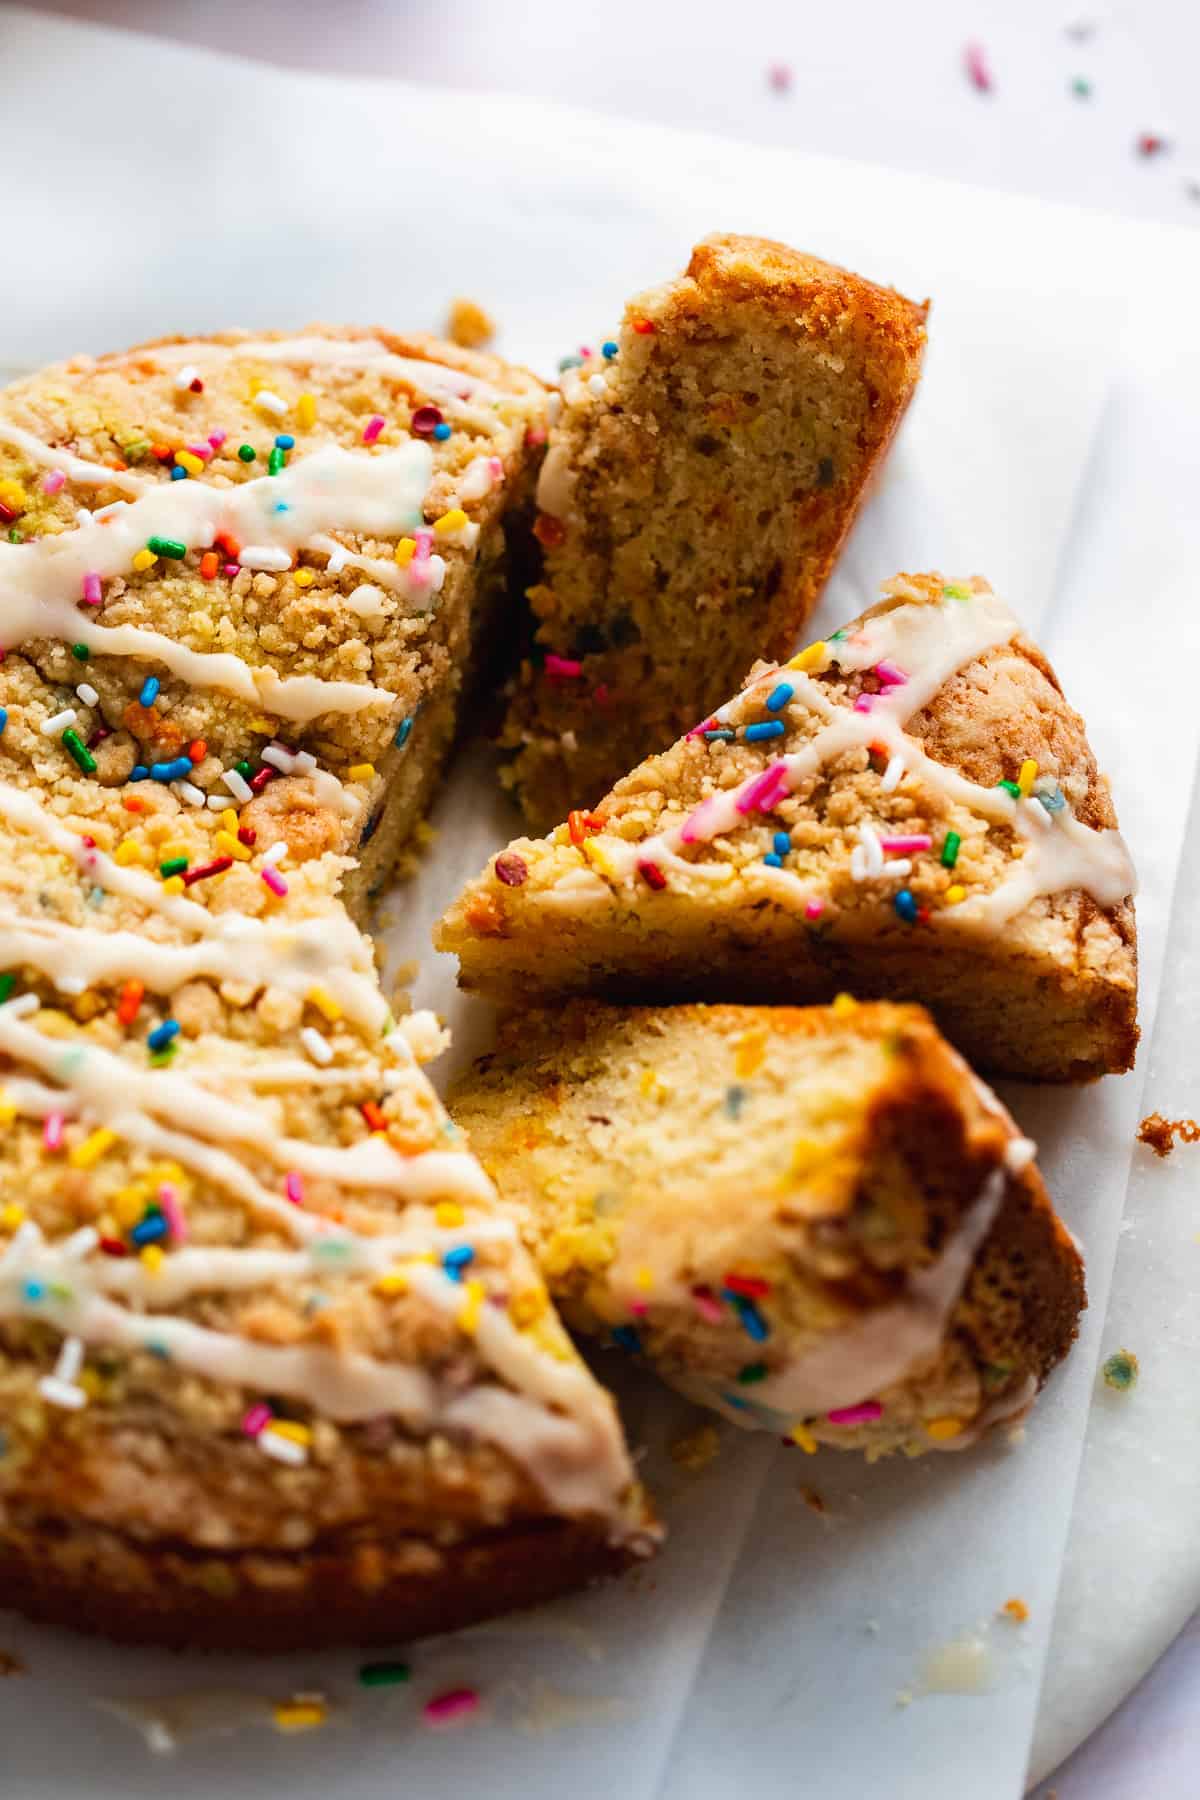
(879, 82)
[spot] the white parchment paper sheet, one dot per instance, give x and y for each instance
(169, 190)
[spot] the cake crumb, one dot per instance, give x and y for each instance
(696, 1449)
(468, 325)
(10, 1665)
(1016, 1610)
(1161, 1133)
(813, 1500)
(1121, 1371)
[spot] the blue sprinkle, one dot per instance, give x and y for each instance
(178, 474)
(625, 1337)
(766, 728)
(735, 1099)
(723, 736)
(150, 1230)
(783, 842)
(149, 693)
(441, 432)
(772, 861)
(156, 1348)
(285, 441)
(33, 1290)
(402, 735)
(753, 1323)
(139, 772)
(3, 717)
(456, 1260)
(779, 696)
(171, 771)
(281, 506)
(609, 349)
(906, 906)
(162, 1034)
(738, 1403)
(1053, 800)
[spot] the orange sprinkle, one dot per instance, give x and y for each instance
(197, 750)
(116, 463)
(643, 327)
(132, 995)
(134, 803)
(210, 562)
(229, 545)
(373, 1116)
(580, 823)
(549, 531)
(1016, 1610)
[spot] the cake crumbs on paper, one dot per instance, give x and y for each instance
(1161, 1133)
(813, 1500)
(468, 325)
(10, 1665)
(1121, 1371)
(696, 1449)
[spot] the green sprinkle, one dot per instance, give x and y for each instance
(80, 652)
(247, 452)
(950, 849)
(15, 536)
(275, 461)
(735, 1099)
(7, 984)
(79, 751)
(134, 452)
(159, 1060)
(170, 547)
(956, 593)
(752, 1372)
(174, 865)
(1010, 787)
(384, 1674)
(244, 770)
(1121, 1370)
(1081, 87)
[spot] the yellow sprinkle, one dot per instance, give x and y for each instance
(291, 1428)
(943, 1428)
(1027, 776)
(644, 1279)
(812, 659)
(13, 495)
(168, 850)
(152, 1257)
(8, 1111)
(92, 1148)
(193, 464)
(304, 577)
(263, 724)
(800, 1434)
(843, 1004)
(955, 894)
(129, 850)
(600, 859)
(228, 845)
(11, 1216)
(174, 884)
(468, 1312)
(298, 1715)
(129, 1204)
(144, 559)
(306, 412)
(93, 1383)
(448, 1213)
(361, 771)
(325, 1003)
(749, 1052)
(454, 520)
(395, 1281)
(229, 819)
(526, 1309)
(404, 551)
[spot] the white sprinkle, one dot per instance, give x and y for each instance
(1019, 1154)
(264, 556)
(437, 573)
(283, 1449)
(81, 1242)
(70, 1360)
(90, 697)
(318, 1047)
(61, 1393)
(58, 724)
(597, 385)
(893, 774)
(553, 409)
(337, 561)
(72, 984)
(276, 853)
(184, 377)
(238, 786)
(21, 1006)
(83, 516)
(896, 867)
(866, 858)
(108, 512)
(270, 402)
(187, 790)
(217, 802)
(278, 758)
(305, 762)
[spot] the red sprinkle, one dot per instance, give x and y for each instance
(266, 773)
(196, 387)
(564, 667)
(197, 750)
(580, 823)
(113, 1247)
(644, 327)
(210, 562)
(457, 1703)
(228, 544)
(549, 531)
(1150, 144)
(425, 420)
(511, 869)
(8, 514)
(247, 835)
(750, 1287)
(216, 867)
(652, 874)
(162, 452)
(373, 1116)
(129, 1005)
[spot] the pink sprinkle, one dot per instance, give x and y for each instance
(700, 824)
(535, 435)
(293, 1187)
(54, 482)
(495, 467)
(761, 794)
(203, 451)
(704, 725)
(813, 909)
(91, 588)
(458, 1703)
(424, 543)
(978, 69)
(638, 1308)
(707, 1305)
(903, 846)
(217, 438)
(865, 702)
(172, 1212)
(256, 1419)
(274, 880)
(891, 673)
(565, 667)
(600, 696)
(856, 1415)
(372, 428)
(52, 1130)
(779, 75)
(230, 570)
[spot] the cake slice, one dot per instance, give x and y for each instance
(274, 1370)
(814, 1220)
(700, 479)
(909, 810)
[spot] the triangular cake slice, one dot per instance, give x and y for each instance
(274, 1371)
(815, 1220)
(705, 468)
(908, 810)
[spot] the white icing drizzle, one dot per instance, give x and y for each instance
(367, 354)
(84, 473)
(293, 954)
(331, 489)
(930, 642)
